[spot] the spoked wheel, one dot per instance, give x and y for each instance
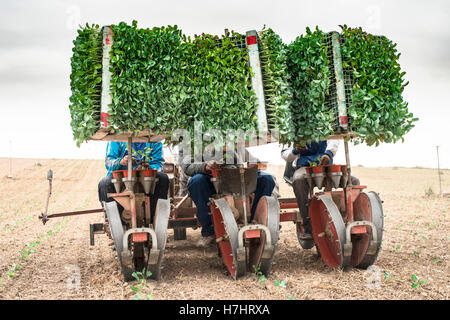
(226, 230)
(161, 221)
(328, 230)
(377, 219)
(116, 228)
(267, 214)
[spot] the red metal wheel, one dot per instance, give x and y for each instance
(328, 229)
(360, 235)
(226, 231)
(377, 218)
(267, 214)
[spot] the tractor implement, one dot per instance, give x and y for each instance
(244, 245)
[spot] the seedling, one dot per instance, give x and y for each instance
(279, 283)
(261, 278)
(416, 282)
(141, 278)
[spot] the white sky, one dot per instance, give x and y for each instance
(36, 42)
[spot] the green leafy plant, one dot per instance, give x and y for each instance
(429, 192)
(308, 74)
(314, 163)
(142, 286)
(85, 83)
(277, 92)
(279, 283)
(162, 80)
(416, 282)
(377, 112)
(259, 275)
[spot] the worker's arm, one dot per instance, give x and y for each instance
(114, 153)
(332, 147)
(191, 168)
(290, 154)
(156, 160)
(330, 152)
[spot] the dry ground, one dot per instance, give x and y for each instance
(36, 260)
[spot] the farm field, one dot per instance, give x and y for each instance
(37, 261)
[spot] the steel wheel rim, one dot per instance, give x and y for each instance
(328, 230)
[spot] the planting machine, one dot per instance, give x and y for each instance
(347, 223)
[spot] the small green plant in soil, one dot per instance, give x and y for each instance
(416, 282)
(142, 287)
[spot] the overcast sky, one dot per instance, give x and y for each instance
(36, 42)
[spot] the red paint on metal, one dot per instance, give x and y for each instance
(288, 216)
(140, 237)
(362, 210)
(251, 40)
(359, 229)
(289, 205)
(104, 119)
(249, 234)
(224, 246)
(328, 242)
(343, 120)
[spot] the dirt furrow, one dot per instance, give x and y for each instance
(14, 241)
(64, 252)
(35, 205)
(30, 173)
(30, 194)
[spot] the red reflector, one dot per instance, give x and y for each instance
(344, 120)
(359, 229)
(252, 233)
(251, 40)
(104, 119)
(140, 237)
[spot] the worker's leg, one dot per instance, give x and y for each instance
(301, 190)
(264, 187)
(161, 190)
(105, 186)
(355, 181)
(201, 190)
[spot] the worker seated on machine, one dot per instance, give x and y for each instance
(297, 159)
(201, 189)
(145, 155)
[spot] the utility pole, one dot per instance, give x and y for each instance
(439, 171)
(10, 160)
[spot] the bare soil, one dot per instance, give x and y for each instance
(37, 261)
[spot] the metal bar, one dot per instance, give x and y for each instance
(183, 222)
(347, 161)
(130, 158)
(287, 200)
(288, 205)
(257, 82)
(106, 98)
(244, 197)
(133, 211)
(340, 88)
(72, 213)
(288, 216)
